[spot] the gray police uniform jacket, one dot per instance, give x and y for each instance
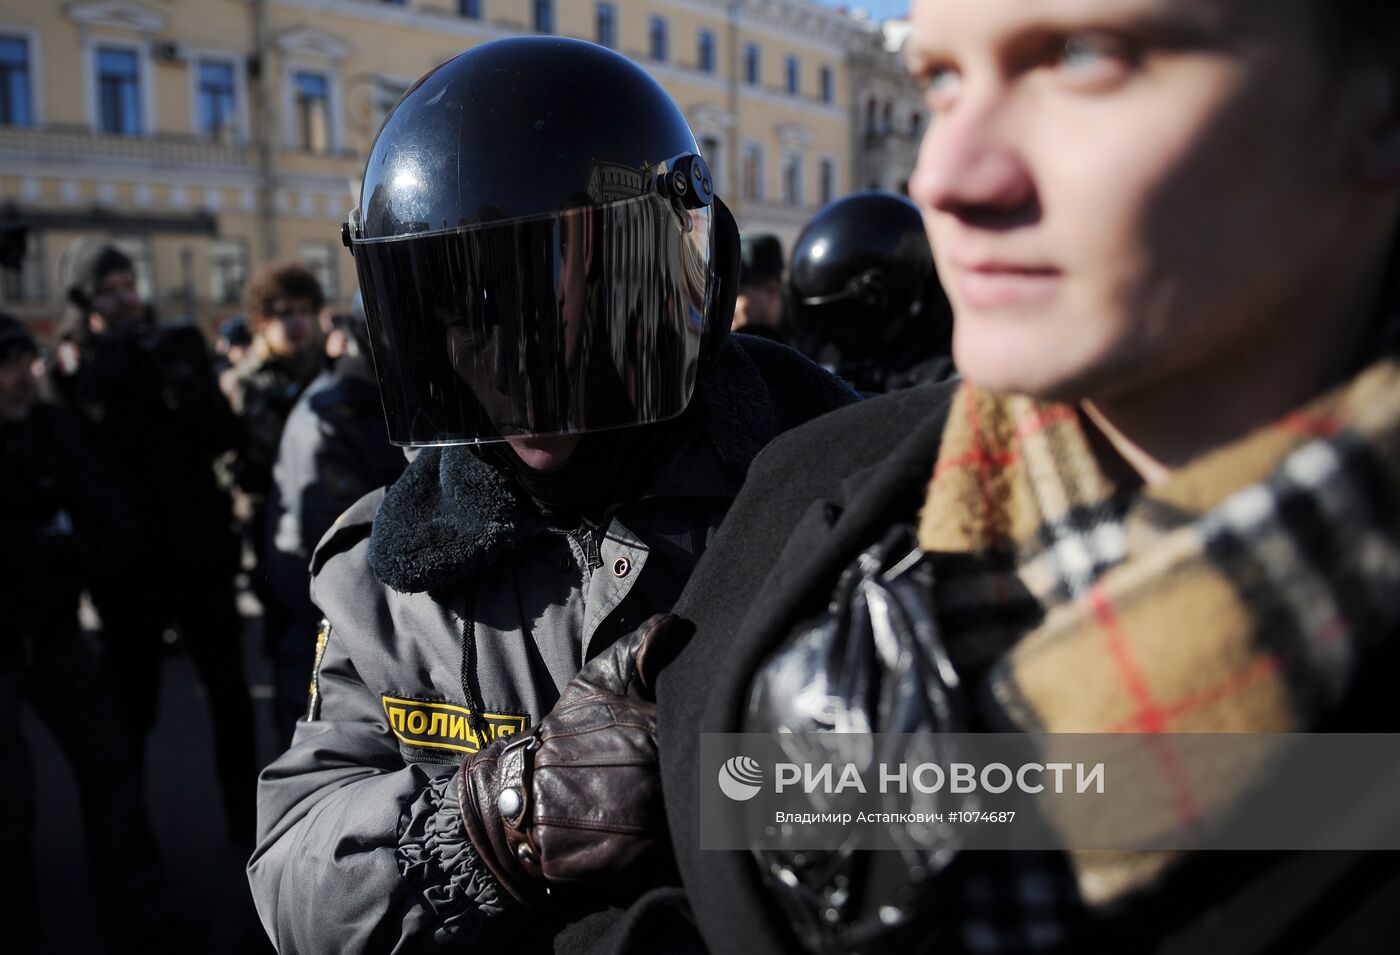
(451, 577)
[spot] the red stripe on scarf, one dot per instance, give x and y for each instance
(1058, 414)
(1150, 718)
(1256, 671)
(976, 461)
(1311, 426)
(984, 456)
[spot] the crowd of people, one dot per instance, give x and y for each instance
(1130, 466)
(140, 473)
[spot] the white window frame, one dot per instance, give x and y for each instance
(145, 75)
(700, 34)
(757, 81)
(330, 288)
(215, 295)
(752, 146)
(553, 19)
(653, 21)
(835, 165)
(240, 89)
(396, 79)
(715, 162)
(291, 138)
(799, 201)
(613, 24)
(36, 70)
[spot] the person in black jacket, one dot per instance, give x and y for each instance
(334, 450)
(1163, 501)
(759, 308)
(158, 421)
(63, 524)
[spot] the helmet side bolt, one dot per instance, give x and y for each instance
(689, 183)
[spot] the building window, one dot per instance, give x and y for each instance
(828, 181)
(607, 25)
(26, 284)
(471, 9)
(752, 64)
(658, 39)
(386, 94)
(544, 16)
(793, 72)
(792, 180)
(118, 91)
(711, 150)
(887, 118)
(215, 99)
(705, 54)
(395, 3)
(228, 270)
(828, 85)
(311, 110)
(320, 259)
(15, 109)
(753, 173)
(916, 124)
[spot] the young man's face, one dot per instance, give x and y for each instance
(290, 327)
(1119, 191)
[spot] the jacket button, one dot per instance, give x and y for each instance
(622, 567)
(509, 803)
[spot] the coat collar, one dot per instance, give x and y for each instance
(827, 537)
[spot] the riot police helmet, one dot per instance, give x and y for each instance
(862, 279)
(539, 248)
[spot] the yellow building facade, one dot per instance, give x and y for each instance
(205, 137)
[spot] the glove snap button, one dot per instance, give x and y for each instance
(622, 567)
(523, 852)
(508, 802)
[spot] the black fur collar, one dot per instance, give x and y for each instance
(451, 514)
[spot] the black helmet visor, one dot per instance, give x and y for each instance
(583, 320)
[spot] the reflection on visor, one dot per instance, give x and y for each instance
(581, 321)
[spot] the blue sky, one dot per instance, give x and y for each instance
(879, 9)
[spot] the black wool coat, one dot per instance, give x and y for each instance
(812, 502)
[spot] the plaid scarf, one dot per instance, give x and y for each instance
(1240, 595)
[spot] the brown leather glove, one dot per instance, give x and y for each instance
(578, 799)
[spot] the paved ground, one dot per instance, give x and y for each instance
(204, 871)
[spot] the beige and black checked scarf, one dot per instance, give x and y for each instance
(1240, 595)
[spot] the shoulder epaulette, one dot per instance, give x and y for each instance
(349, 529)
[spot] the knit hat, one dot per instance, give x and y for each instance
(761, 259)
(95, 264)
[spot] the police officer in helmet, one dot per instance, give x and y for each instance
(548, 281)
(865, 299)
